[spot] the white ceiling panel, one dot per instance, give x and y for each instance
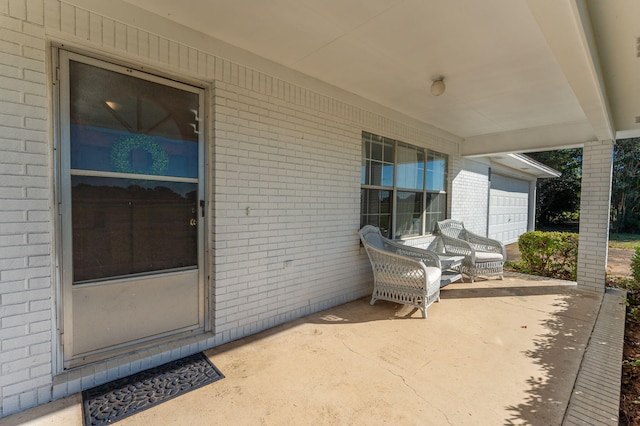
(510, 66)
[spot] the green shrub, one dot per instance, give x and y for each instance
(635, 265)
(626, 283)
(566, 217)
(549, 254)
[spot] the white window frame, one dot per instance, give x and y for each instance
(394, 189)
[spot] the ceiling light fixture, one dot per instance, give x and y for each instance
(113, 105)
(438, 87)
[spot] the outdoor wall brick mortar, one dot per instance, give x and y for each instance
(471, 189)
(284, 186)
(25, 316)
(597, 164)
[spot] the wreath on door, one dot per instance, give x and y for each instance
(121, 154)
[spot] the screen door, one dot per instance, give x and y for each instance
(131, 206)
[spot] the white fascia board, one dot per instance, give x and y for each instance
(626, 134)
(542, 170)
(525, 166)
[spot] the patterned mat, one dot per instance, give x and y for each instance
(113, 401)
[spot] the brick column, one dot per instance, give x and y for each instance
(597, 163)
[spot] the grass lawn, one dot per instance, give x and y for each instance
(624, 241)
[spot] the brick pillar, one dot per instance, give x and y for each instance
(595, 199)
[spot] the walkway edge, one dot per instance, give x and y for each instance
(595, 399)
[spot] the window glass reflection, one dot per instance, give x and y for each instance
(436, 171)
(410, 173)
(408, 213)
(376, 209)
(129, 226)
(436, 210)
(378, 165)
(128, 125)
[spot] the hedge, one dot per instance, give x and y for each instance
(549, 254)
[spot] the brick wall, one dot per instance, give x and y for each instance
(287, 190)
(284, 190)
(25, 220)
(597, 162)
(470, 187)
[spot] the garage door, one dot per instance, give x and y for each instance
(508, 208)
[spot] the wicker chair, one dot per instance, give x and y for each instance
(482, 256)
(401, 274)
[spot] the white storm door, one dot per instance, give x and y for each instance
(132, 207)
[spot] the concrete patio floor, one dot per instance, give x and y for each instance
(490, 353)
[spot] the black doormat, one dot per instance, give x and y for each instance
(113, 401)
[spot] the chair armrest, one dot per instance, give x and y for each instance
(429, 258)
(455, 246)
(481, 243)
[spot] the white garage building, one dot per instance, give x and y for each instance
(512, 199)
(495, 195)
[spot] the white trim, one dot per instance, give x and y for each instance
(527, 166)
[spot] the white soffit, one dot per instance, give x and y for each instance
(501, 74)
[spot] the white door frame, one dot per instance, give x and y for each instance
(63, 207)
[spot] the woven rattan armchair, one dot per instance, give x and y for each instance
(482, 256)
(401, 274)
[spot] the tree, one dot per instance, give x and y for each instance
(558, 199)
(625, 190)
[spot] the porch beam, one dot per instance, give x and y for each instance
(580, 66)
(543, 138)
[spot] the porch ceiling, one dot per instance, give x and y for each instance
(521, 75)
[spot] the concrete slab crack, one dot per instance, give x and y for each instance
(406, 384)
(420, 396)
